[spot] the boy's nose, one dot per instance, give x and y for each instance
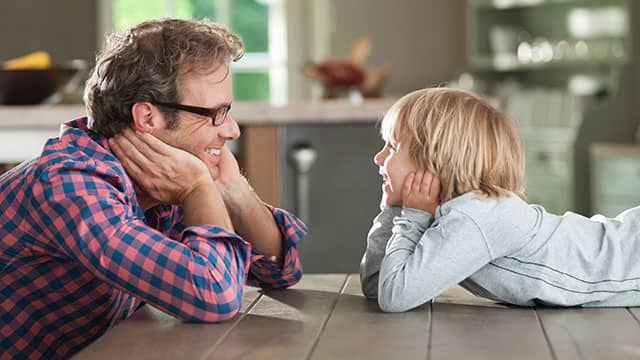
(378, 158)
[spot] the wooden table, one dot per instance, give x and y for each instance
(326, 317)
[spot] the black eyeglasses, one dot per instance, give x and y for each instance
(217, 115)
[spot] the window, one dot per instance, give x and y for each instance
(261, 74)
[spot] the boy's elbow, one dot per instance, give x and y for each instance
(394, 300)
(387, 305)
(369, 287)
(388, 300)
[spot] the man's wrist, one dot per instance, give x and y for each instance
(236, 193)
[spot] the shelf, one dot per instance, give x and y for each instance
(487, 63)
(523, 4)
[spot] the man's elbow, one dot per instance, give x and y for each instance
(296, 276)
(214, 307)
(213, 313)
(284, 281)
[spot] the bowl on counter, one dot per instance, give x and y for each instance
(34, 86)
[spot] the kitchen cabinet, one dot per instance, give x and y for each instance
(542, 60)
(615, 177)
(528, 39)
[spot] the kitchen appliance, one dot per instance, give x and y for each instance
(331, 182)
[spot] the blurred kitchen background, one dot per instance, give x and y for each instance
(567, 71)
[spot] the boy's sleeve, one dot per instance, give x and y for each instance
(421, 260)
(279, 273)
(377, 239)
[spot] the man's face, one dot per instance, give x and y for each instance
(196, 133)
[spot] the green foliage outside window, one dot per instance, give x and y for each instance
(251, 21)
(248, 18)
(127, 13)
(253, 86)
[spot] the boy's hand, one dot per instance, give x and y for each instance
(421, 190)
(164, 173)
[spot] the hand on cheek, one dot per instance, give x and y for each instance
(421, 190)
(227, 169)
(158, 170)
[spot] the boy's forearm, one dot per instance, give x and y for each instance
(377, 239)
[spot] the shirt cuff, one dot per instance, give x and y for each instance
(292, 230)
(420, 218)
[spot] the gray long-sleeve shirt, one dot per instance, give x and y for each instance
(503, 249)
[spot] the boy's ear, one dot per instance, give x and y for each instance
(146, 117)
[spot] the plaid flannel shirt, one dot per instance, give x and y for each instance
(77, 253)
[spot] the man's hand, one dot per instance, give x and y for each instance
(166, 174)
(421, 190)
(169, 175)
(229, 176)
(249, 215)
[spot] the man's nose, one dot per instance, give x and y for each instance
(230, 128)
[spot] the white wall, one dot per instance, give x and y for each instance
(424, 39)
(64, 28)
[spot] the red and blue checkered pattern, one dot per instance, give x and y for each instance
(77, 253)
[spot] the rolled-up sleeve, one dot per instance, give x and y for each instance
(267, 273)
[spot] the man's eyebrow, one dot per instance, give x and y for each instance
(221, 104)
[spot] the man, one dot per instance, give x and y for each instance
(141, 202)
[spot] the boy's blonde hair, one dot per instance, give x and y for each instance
(460, 137)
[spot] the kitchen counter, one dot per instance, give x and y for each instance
(246, 113)
(24, 129)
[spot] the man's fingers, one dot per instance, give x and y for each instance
(155, 144)
(141, 145)
(125, 151)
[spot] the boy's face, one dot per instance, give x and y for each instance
(196, 133)
(394, 165)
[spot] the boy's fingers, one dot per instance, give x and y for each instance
(418, 181)
(425, 186)
(435, 186)
(407, 187)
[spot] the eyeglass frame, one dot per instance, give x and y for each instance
(217, 115)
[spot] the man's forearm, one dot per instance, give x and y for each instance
(204, 205)
(253, 220)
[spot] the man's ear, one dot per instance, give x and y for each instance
(146, 117)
